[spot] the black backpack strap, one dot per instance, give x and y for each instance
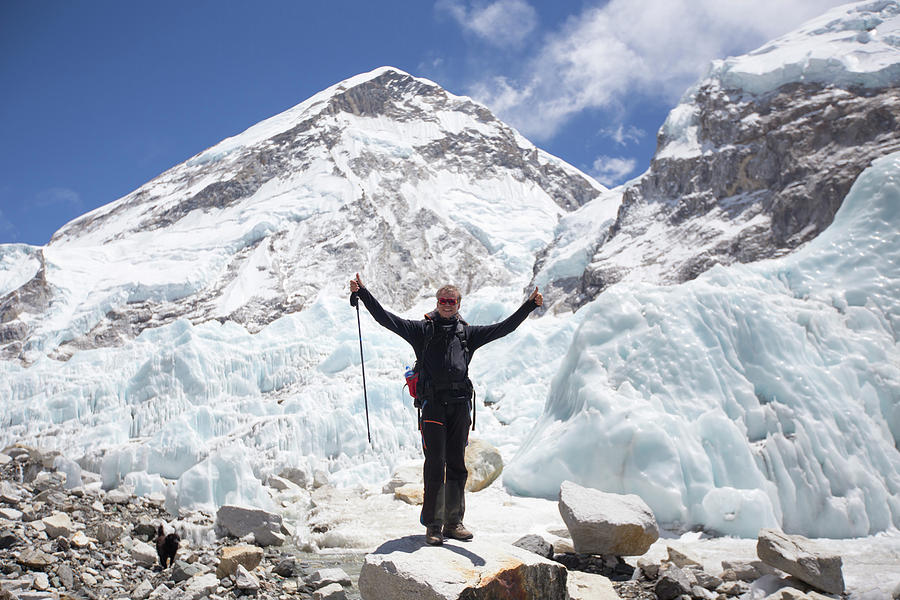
(461, 335)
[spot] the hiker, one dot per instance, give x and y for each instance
(444, 345)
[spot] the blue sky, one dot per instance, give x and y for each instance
(98, 97)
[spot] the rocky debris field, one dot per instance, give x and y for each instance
(59, 542)
(84, 543)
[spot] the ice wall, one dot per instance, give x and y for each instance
(755, 396)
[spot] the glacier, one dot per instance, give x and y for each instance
(761, 395)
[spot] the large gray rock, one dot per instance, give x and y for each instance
(200, 586)
(58, 525)
(408, 569)
(672, 583)
(239, 521)
(232, 556)
(602, 523)
(589, 586)
(409, 473)
(796, 555)
(332, 591)
(484, 463)
(109, 531)
(295, 476)
(245, 581)
(535, 543)
(323, 577)
(143, 554)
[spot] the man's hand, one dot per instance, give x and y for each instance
(355, 284)
(536, 297)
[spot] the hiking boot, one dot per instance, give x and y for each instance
(433, 535)
(457, 531)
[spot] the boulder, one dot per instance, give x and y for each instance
(35, 559)
(410, 493)
(142, 591)
(239, 521)
(672, 583)
(406, 474)
(117, 496)
(245, 581)
(232, 556)
(682, 559)
(10, 514)
(535, 543)
(200, 586)
(649, 568)
(11, 493)
(144, 554)
(295, 476)
(602, 523)
(484, 463)
(66, 576)
(109, 531)
(49, 480)
(267, 537)
(701, 593)
(588, 586)
(332, 591)
(407, 569)
(797, 556)
(320, 478)
(80, 540)
(58, 525)
(323, 577)
(289, 567)
(282, 484)
(182, 570)
(746, 570)
(707, 580)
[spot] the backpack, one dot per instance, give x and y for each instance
(412, 375)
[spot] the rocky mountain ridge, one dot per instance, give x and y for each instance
(742, 172)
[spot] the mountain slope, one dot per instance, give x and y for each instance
(757, 157)
(383, 169)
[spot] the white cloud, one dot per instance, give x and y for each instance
(503, 23)
(623, 135)
(655, 48)
(58, 196)
(611, 171)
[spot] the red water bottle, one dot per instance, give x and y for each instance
(412, 378)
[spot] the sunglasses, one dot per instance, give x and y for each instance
(447, 301)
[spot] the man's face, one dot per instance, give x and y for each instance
(448, 305)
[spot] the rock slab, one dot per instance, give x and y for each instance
(589, 586)
(239, 521)
(408, 569)
(232, 556)
(796, 555)
(602, 523)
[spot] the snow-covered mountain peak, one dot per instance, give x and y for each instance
(383, 169)
(852, 45)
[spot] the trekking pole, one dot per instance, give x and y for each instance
(354, 301)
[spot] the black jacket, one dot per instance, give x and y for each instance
(444, 361)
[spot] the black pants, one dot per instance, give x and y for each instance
(445, 433)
